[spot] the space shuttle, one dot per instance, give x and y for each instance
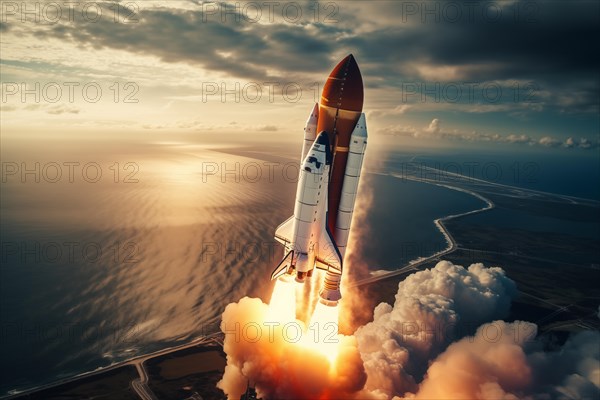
(335, 141)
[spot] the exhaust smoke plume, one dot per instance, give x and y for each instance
(503, 361)
(441, 339)
(278, 359)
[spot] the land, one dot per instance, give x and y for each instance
(112, 383)
(189, 371)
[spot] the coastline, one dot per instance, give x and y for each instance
(439, 223)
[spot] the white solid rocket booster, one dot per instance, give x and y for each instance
(310, 131)
(330, 293)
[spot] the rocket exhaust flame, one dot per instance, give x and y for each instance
(282, 307)
(303, 291)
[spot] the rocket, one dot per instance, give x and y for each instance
(335, 140)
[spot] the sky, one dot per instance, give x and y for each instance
(507, 73)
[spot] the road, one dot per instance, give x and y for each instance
(141, 385)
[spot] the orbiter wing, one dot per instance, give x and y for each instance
(283, 233)
(283, 266)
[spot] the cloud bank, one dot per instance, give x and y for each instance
(434, 131)
(542, 42)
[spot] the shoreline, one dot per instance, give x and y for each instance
(439, 223)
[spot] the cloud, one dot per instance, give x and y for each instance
(8, 108)
(256, 51)
(57, 109)
(172, 51)
(434, 131)
(549, 141)
(582, 143)
(434, 126)
(512, 138)
(267, 128)
(62, 109)
(435, 48)
(398, 110)
(395, 44)
(585, 143)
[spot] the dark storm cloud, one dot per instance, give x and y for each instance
(521, 31)
(548, 42)
(553, 38)
(183, 36)
(558, 39)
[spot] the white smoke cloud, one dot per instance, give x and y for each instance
(419, 348)
(503, 361)
(432, 308)
(490, 365)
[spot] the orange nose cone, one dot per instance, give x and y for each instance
(344, 86)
